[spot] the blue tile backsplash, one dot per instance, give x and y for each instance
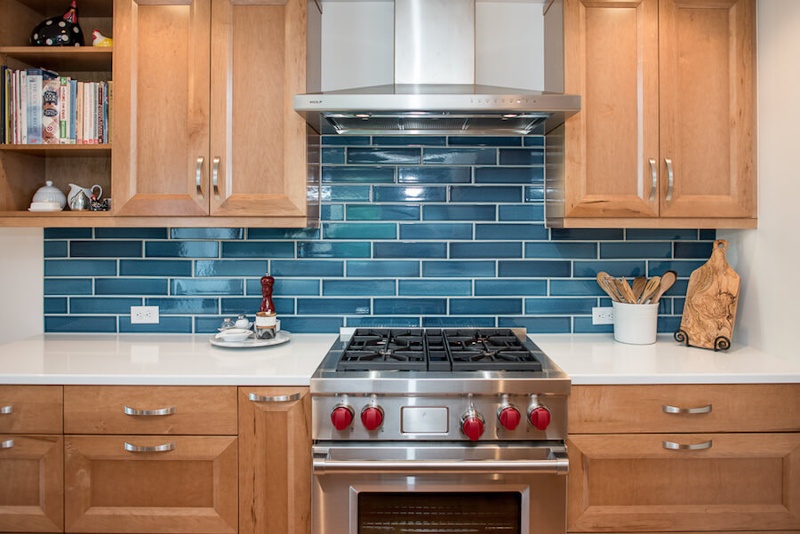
(428, 231)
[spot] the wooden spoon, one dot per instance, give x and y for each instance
(638, 287)
(667, 279)
(625, 290)
(651, 287)
(604, 280)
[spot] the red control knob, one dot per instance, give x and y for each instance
(372, 417)
(341, 417)
(472, 426)
(509, 417)
(540, 417)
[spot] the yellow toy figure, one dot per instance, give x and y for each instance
(98, 39)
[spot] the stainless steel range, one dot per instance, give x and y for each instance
(439, 430)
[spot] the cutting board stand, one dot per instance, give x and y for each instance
(711, 300)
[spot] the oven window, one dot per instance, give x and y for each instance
(419, 512)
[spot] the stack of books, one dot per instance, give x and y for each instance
(37, 106)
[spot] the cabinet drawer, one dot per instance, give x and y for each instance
(700, 408)
(149, 410)
(634, 483)
(31, 409)
(176, 484)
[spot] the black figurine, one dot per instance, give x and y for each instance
(62, 30)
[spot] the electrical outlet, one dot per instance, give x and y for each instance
(602, 315)
(144, 314)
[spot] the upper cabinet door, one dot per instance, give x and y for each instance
(258, 143)
(161, 107)
(611, 60)
(707, 54)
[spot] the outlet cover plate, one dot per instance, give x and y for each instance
(602, 315)
(144, 314)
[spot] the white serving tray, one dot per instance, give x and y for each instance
(282, 336)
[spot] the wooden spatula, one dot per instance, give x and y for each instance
(606, 283)
(651, 287)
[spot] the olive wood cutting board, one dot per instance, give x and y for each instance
(711, 299)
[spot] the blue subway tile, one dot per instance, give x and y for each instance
(155, 268)
(684, 268)
(382, 322)
(460, 156)
(587, 234)
(426, 288)
(345, 140)
(668, 325)
(357, 174)
(511, 231)
(383, 269)
(285, 286)
(333, 249)
(693, 250)
(304, 325)
(409, 140)
(130, 233)
(459, 213)
(68, 286)
(206, 233)
(55, 249)
(434, 175)
(102, 305)
(533, 140)
(708, 234)
(345, 193)
(465, 269)
(484, 140)
(359, 231)
(382, 155)
(333, 155)
(486, 250)
(561, 250)
(537, 325)
(485, 194)
(509, 175)
(559, 306)
(209, 287)
(488, 306)
(575, 288)
(365, 288)
(67, 233)
(282, 233)
(653, 234)
(633, 250)
(80, 267)
(522, 212)
(410, 306)
(183, 306)
(458, 322)
(181, 249)
(534, 193)
(533, 268)
(409, 250)
(522, 156)
(616, 268)
(332, 212)
(583, 325)
(130, 286)
(340, 306)
(230, 268)
(55, 305)
(258, 249)
(381, 212)
(78, 323)
(491, 288)
(234, 306)
(209, 325)
(315, 268)
(440, 231)
(409, 193)
(166, 325)
(105, 249)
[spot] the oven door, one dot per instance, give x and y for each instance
(371, 488)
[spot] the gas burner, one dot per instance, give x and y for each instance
(384, 349)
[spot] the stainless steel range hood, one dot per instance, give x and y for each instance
(434, 89)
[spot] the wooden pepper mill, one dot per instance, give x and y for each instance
(266, 292)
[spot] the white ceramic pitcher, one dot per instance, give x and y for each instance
(88, 191)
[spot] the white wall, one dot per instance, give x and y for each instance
(764, 258)
(21, 283)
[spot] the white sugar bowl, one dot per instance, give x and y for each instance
(51, 194)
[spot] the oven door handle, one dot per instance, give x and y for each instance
(558, 465)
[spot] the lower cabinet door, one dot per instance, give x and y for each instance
(151, 484)
(684, 482)
(31, 483)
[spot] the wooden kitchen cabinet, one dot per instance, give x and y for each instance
(31, 459)
(667, 458)
(150, 459)
(274, 460)
(666, 136)
(204, 118)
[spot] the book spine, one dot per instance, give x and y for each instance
(22, 109)
(79, 115)
(73, 111)
(63, 110)
(51, 110)
(101, 126)
(3, 92)
(34, 106)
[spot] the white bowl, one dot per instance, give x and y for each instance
(234, 334)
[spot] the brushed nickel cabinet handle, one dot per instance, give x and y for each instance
(670, 179)
(671, 445)
(215, 177)
(278, 398)
(5, 410)
(160, 411)
(654, 182)
(198, 177)
(155, 448)
(666, 408)
(7, 444)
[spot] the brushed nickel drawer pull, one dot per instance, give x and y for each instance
(654, 184)
(277, 398)
(666, 408)
(7, 444)
(161, 411)
(155, 448)
(198, 177)
(671, 445)
(670, 180)
(5, 410)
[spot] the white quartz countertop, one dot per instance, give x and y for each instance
(177, 359)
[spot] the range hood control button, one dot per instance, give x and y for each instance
(509, 417)
(539, 417)
(342, 416)
(372, 416)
